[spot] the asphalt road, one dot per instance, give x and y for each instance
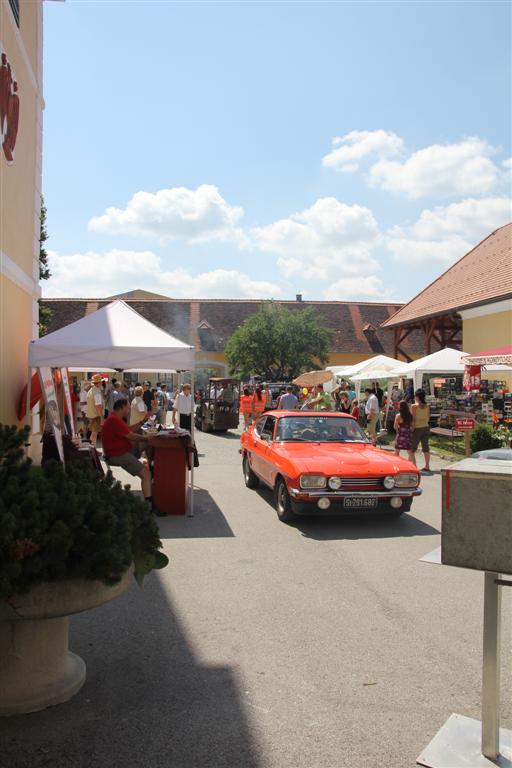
(326, 644)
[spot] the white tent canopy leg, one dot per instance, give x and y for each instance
(190, 512)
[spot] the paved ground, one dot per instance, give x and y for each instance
(323, 645)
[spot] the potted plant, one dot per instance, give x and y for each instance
(70, 540)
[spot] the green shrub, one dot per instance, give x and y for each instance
(483, 438)
(64, 524)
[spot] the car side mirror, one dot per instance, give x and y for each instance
(267, 438)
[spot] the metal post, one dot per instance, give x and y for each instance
(190, 512)
(491, 668)
(28, 412)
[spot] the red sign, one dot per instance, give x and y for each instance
(472, 375)
(465, 425)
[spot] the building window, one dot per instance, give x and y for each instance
(15, 6)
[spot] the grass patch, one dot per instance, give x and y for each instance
(448, 448)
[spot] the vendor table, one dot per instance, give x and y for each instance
(171, 453)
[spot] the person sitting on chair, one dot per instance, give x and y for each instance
(117, 445)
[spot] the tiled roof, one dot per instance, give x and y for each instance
(481, 276)
(208, 323)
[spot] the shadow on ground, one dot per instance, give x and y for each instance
(366, 526)
(208, 521)
(148, 702)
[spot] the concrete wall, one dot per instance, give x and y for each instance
(20, 192)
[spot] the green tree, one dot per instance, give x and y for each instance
(45, 313)
(278, 344)
(44, 269)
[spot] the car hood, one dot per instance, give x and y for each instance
(354, 460)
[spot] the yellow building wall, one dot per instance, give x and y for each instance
(488, 332)
(20, 190)
(16, 320)
(480, 334)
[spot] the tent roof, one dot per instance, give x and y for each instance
(499, 356)
(443, 361)
(115, 336)
(379, 362)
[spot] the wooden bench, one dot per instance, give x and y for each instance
(443, 432)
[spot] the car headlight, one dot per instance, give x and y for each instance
(389, 482)
(335, 483)
(407, 480)
(312, 481)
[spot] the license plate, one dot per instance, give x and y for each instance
(360, 502)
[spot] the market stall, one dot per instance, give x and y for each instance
(114, 337)
(451, 393)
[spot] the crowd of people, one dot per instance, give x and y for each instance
(98, 396)
(141, 401)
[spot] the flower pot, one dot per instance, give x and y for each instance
(37, 668)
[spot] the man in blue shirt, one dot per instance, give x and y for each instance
(288, 401)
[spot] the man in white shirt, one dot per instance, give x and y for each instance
(183, 408)
(372, 411)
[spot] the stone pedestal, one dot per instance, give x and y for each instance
(37, 668)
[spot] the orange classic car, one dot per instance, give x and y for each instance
(323, 462)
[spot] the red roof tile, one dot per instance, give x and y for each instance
(481, 276)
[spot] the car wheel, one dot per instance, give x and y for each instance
(282, 502)
(250, 478)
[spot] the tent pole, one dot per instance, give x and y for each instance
(29, 387)
(191, 501)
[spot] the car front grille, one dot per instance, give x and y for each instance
(361, 482)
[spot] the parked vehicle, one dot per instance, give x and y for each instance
(219, 405)
(324, 463)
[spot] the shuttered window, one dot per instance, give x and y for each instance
(15, 5)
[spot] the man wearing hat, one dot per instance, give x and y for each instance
(95, 407)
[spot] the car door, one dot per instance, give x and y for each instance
(266, 450)
(257, 446)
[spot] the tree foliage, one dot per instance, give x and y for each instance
(278, 344)
(45, 313)
(44, 269)
(69, 524)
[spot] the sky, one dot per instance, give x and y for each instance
(345, 151)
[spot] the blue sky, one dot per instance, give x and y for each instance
(346, 151)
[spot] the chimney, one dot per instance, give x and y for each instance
(298, 297)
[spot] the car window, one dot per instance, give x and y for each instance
(319, 429)
(268, 427)
(259, 425)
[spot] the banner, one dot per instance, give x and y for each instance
(52, 415)
(67, 395)
(471, 381)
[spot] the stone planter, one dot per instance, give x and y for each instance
(37, 669)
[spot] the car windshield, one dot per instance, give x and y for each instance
(319, 429)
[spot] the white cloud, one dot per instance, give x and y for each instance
(472, 218)
(348, 150)
(322, 242)
(178, 213)
(369, 287)
(427, 252)
(440, 170)
(444, 234)
(99, 275)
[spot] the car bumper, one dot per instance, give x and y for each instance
(306, 502)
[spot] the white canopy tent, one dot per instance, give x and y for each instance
(377, 363)
(444, 362)
(114, 337)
